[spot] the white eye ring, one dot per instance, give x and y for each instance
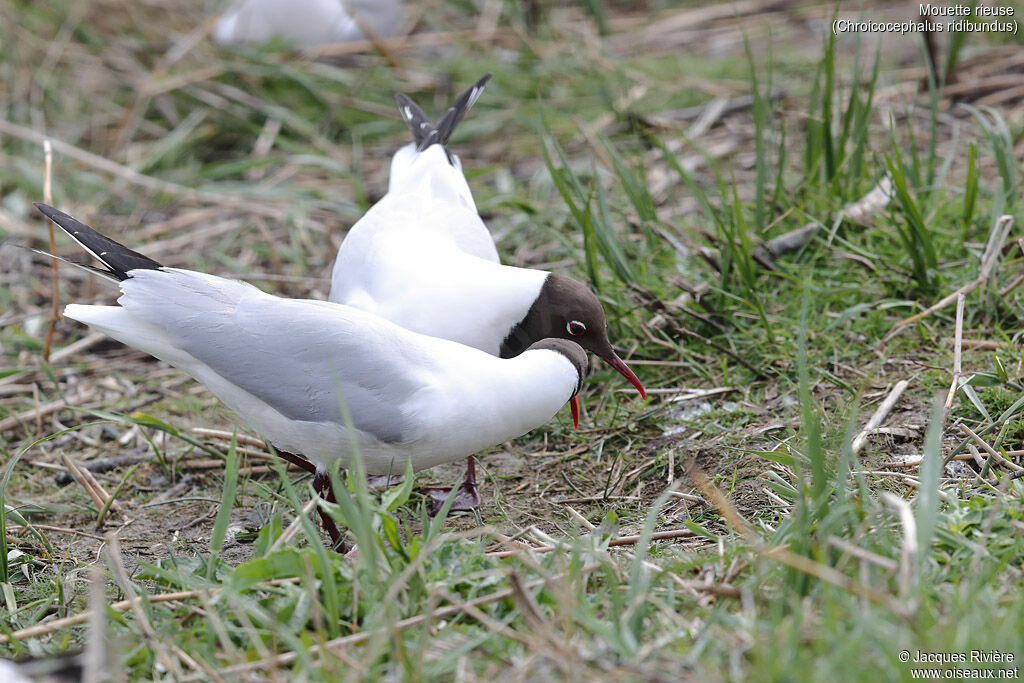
(576, 328)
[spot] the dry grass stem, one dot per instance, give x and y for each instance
(54, 271)
(958, 341)
(43, 410)
(996, 455)
(722, 504)
(862, 554)
(240, 439)
(74, 349)
(88, 482)
(909, 545)
(879, 415)
(294, 527)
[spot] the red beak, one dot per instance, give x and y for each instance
(574, 406)
(624, 370)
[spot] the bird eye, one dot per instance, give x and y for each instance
(576, 328)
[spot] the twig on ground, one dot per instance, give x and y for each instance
(88, 482)
(903, 478)
(996, 455)
(775, 498)
(958, 340)
(916, 460)
(879, 415)
(69, 400)
(34, 413)
(588, 499)
(82, 344)
(721, 349)
(579, 518)
(708, 113)
(485, 619)
(985, 344)
(102, 465)
(1017, 281)
(240, 439)
(55, 275)
(689, 497)
(293, 528)
(862, 554)
(65, 530)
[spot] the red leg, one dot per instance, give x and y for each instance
(467, 497)
(322, 486)
(298, 461)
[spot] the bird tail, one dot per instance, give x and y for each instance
(118, 259)
(425, 133)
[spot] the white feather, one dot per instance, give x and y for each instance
(307, 23)
(287, 366)
(423, 259)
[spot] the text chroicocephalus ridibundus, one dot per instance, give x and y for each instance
(291, 368)
(422, 257)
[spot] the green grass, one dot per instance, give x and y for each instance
(806, 561)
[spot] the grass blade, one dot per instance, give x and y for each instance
(220, 525)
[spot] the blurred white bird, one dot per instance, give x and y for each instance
(422, 257)
(325, 380)
(308, 23)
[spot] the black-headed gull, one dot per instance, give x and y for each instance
(422, 257)
(308, 23)
(293, 368)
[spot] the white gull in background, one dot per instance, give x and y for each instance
(308, 23)
(422, 257)
(288, 366)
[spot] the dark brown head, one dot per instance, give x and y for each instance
(567, 309)
(578, 357)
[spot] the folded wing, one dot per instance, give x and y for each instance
(308, 360)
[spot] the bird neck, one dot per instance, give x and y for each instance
(430, 173)
(536, 324)
(520, 393)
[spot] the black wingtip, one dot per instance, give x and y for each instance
(119, 259)
(418, 123)
(446, 126)
(425, 133)
(47, 210)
